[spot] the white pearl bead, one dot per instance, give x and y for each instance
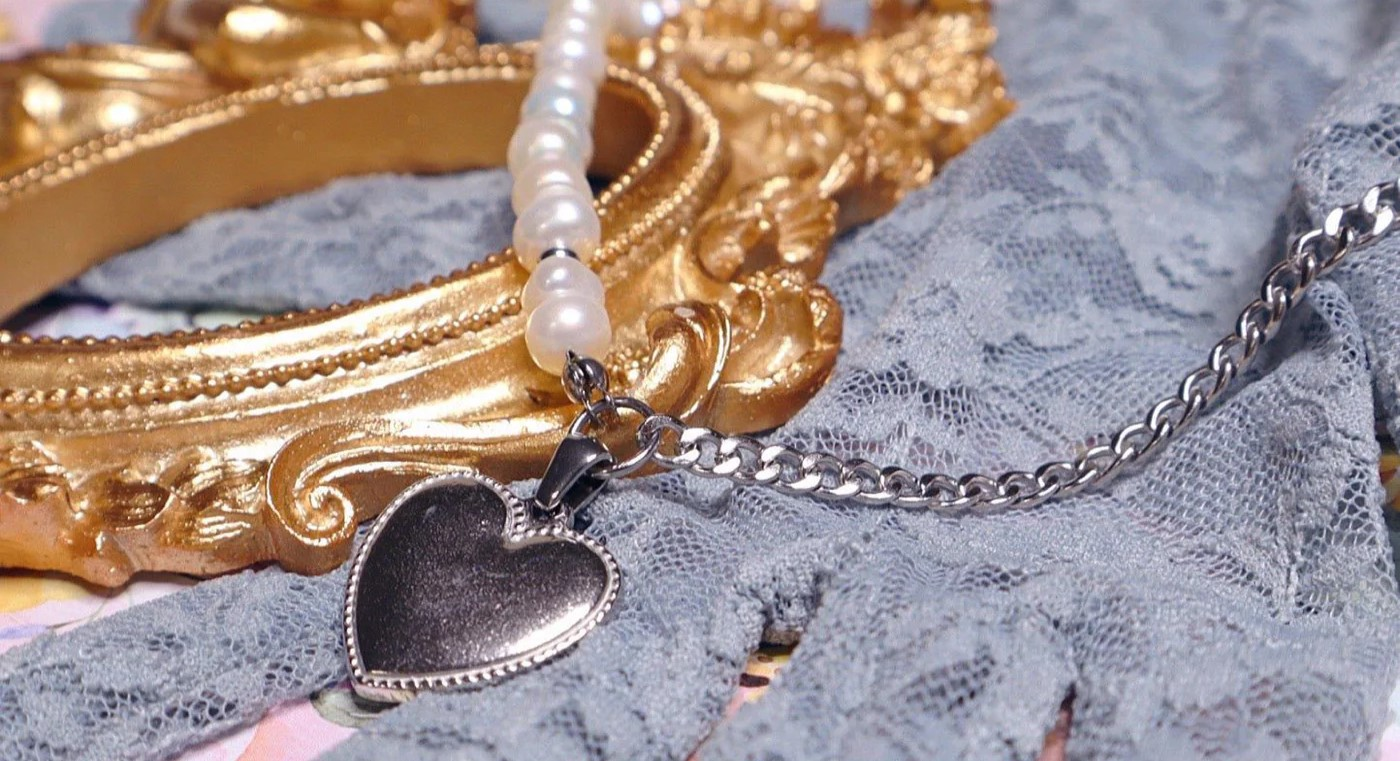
(559, 275)
(567, 323)
(537, 138)
(561, 93)
(547, 172)
(548, 156)
(557, 218)
(568, 22)
(641, 18)
(567, 50)
(594, 10)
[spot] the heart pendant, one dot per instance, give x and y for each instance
(455, 586)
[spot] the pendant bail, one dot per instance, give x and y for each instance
(573, 478)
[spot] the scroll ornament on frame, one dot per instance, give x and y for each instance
(738, 143)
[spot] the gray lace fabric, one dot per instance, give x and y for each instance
(1233, 598)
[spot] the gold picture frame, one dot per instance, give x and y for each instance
(738, 143)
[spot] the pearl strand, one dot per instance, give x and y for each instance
(557, 229)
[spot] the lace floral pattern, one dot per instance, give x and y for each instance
(1233, 599)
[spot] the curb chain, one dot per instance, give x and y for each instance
(744, 460)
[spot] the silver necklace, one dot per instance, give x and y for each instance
(461, 583)
(420, 609)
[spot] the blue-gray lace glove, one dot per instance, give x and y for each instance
(1231, 599)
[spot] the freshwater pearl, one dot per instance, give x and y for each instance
(548, 157)
(597, 11)
(558, 275)
(557, 218)
(537, 138)
(641, 18)
(568, 23)
(540, 174)
(561, 93)
(564, 323)
(571, 51)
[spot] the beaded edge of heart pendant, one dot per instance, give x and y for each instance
(393, 687)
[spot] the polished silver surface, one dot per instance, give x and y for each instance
(570, 481)
(455, 586)
(585, 379)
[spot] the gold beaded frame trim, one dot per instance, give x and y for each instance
(679, 191)
(739, 141)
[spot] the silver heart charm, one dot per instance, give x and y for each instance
(455, 586)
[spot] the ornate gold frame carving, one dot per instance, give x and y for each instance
(740, 141)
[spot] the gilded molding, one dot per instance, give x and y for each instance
(738, 143)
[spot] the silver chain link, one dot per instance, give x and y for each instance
(748, 461)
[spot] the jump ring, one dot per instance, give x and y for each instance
(588, 417)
